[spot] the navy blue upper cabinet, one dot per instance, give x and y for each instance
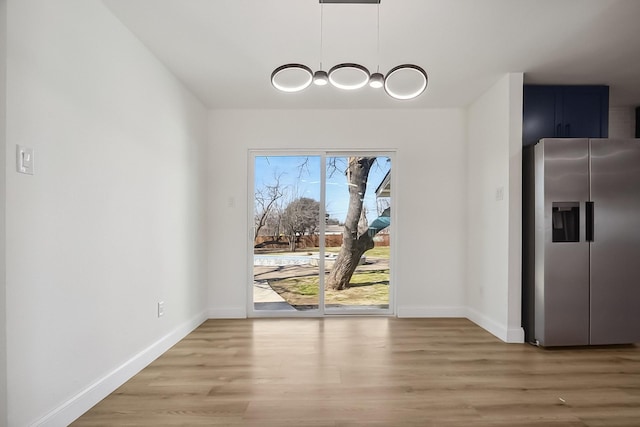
(564, 112)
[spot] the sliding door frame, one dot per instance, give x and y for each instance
(321, 311)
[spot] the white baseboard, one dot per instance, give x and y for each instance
(422, 311)
(94, 393)
(515, 335)
(227, 313)
(506, 334)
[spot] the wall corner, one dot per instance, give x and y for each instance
(3, 241)
(514, 296)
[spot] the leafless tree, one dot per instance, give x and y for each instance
(266, 202)
(356, 239)
(301, 217)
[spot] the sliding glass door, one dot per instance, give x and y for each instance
(286, 228)
(357, 238)
(320, 232)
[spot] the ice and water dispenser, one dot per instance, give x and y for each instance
(565, 222)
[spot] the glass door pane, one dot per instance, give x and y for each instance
(357, 233)
(286, 251)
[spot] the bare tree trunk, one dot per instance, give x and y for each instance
(293, 241)
(354, 242)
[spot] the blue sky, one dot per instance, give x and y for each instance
(305, 181)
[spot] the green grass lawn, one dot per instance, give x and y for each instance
(367, 288)
(369, 284)
(377, 252)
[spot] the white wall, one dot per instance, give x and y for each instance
(494, 221)
(3, 317)
(430, 191)
(111, 222)
(622, 122)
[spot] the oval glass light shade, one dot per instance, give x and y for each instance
(376, 80)
(405, 81)
(291, 77)
(320, 78)
(348, 76)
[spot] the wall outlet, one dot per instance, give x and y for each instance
(160, 308)
(499, 193)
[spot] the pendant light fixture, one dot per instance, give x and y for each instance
(348, 76)
(402, 82)
(291, 77)
(405, 82)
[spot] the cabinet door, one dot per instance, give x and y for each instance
(564, 112)
(585, 112)
(539, 113)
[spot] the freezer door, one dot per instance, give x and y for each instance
(561, 252)
(615, 250)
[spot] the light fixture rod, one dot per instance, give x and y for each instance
(321, 21)
(350, 1)
(378, 45)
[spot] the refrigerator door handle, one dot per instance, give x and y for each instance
(589, 220)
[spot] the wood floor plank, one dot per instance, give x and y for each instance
(373, 371)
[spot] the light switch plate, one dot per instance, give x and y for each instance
(24, 159)
(160, 308)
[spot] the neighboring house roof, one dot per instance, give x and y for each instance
(384, 189)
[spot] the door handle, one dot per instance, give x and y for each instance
(589, 219)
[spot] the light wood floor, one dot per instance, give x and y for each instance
(348, 372)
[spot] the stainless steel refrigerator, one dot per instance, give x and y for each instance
(581, 266)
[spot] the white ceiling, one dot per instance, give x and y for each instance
(225, 50)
